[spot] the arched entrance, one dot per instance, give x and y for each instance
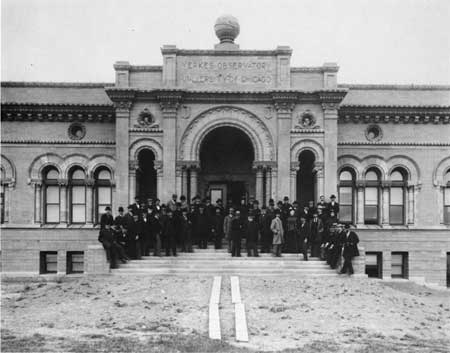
(306, 181)
(226, 159)
(146, 175)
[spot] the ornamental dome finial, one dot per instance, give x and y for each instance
(227, 28)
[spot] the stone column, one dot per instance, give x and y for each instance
(410, 204)
(63, 207)
(122, 153)
(360, 204)
(319, 180)
(169, 106)
(179, 181)
(385, 204)
(274, 188)
(194, 181)
(159, 178)
(38, 202)
(330, 147)
(132, 167)
(259, 184)
(268, 185)
(90, 201)
(293, 182)
(184, 182)
(284, 115)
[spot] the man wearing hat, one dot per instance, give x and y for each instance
(202, 227)
(172, 204)
(236, 234)
(316, 226)
(303, 237)
(106, 218)
(333, 208)
(278, 233)
(349, 241)
(251, 233)
(265, 231)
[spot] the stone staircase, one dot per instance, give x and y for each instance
(220, 262)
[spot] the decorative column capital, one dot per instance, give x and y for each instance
(133, 165)
(330, 107)
(10, 182)
(385, 184)
(63, 182)
(90, 182)
(123, 107)
(31, 182)
(360, 184)
(169, 103)
(158, 165)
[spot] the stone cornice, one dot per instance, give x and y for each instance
(394, 87)
(318, 69)
(214, 52)
(393, 143)
(419, 116)
(145, 68)
(155, 130)
(57, 112)
(56, 142)
(307, 131)
(57, 84)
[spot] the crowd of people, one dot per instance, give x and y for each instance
(151, 227)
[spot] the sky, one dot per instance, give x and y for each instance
(373, 41)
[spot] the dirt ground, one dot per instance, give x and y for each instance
(170, 314)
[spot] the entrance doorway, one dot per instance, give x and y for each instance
(306, 184)
(226, 160)
(146, 175)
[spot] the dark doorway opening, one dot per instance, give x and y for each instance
(226, 160)
(306, 178)
(146, 175)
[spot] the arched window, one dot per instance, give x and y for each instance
(447, 197)
(77, 185)
(372, 197)
(346, 195)
(397, 197)
(103, 192)
(51, 195)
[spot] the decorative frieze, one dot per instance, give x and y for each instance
(57, 142)
(393, 143)
(418, 117)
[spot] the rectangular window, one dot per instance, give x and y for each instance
(78, 204)
(396, 205)
(399, 265)
(346, 204)
(48, 262)
(447, 205)
(374, 267)
(371, 205)
(75, 262)
(103, 200)
(52, 204)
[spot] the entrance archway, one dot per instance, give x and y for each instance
(146, 175)
(226, 159)
(306, 181)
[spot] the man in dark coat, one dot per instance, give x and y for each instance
(251, 232)
(217, 228)
(303, 237)
(106, 218)
(349, 241)
(334, 246)
(106, 237)
(186, 232)
(316, 226)
(156, 230)
(333, 208)
(134, 238)
(266, 232)
(169, 234)
(203, 227)
(236, 234)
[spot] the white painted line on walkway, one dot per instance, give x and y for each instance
(214, 319)
(215, 292)
(235, 292)
(240, 322)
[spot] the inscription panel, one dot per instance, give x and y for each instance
(226, 72)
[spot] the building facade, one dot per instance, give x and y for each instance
(226, 123)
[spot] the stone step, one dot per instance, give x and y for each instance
(220, 269)
(210, 272)
(232, 263)
(228, 256)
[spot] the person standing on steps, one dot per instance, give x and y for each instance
(236, 234)
(266, 232)
(349, 241)
(169, 234)
(278, 233)
(156, 229)
(316, 226)
(303, 237)
(227, 227)
(202, 227)
(251, 231)
(217, 228)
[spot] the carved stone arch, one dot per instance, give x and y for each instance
(407, 164)
(146, 143)
(442, 168)
(350, 162)
(307, 145)
(9, 170)
(99, 161)
(71, 161)
(374, 162)
(229, 116)
(40, 162)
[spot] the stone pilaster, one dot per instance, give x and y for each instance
(330, 147)
(259, 183)
(169, 106)
(360, 203)
(132, 167)
(385, 204)
(184, 182)
(63, 207)
(38, 202)
(268, 185)
(194, 180)
(90, 201)
(293, 181)
(179, 180)
(320, 181)
(122, 144)
(410, 205)
(7, 187)
(159, 179)
(284, 109)
(273, 178)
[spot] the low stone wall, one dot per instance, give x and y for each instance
(95, 261)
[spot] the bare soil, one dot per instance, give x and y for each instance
(170, 314)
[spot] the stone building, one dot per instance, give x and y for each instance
(70, 149)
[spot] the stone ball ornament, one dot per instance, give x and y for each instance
(227, 28)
